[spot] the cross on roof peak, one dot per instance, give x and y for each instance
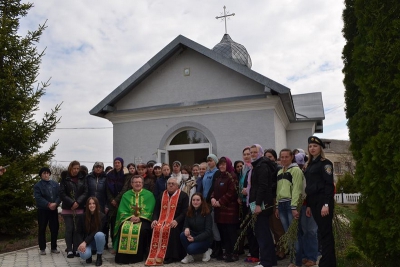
(224, 17)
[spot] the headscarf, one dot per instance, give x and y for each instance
(229, 167)
(260, 152)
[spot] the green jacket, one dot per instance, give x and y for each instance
(290, 185)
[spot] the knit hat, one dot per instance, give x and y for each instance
(98, 163)
(213, 157)
(151, 163)
(120, 160)
(44, 169)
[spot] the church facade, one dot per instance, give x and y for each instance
(188, 101)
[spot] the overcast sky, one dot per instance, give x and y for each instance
(92, 46)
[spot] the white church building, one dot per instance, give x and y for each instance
(188, 101)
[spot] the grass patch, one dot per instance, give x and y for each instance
(348, 254)
(10, 243)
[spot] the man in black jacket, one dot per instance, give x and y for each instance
(261, 198)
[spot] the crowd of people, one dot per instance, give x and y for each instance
(156, 214)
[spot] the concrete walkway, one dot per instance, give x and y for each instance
(31, 257)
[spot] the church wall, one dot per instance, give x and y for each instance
(208, 80)
(298, 138)
(280, 134)
(232, 131)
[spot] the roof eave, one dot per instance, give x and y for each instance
(177, 45)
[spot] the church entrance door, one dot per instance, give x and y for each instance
(188, 156)
(188, 147)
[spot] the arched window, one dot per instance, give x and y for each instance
(189, 137)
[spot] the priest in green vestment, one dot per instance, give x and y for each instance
(133, 223)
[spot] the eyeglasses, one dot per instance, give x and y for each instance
(136, 182)
(171, 183)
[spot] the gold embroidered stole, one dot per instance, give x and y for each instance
(159, 240)
(129, 237)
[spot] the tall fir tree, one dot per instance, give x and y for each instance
(21, 136)
(372, 81)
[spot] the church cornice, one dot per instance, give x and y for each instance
(198, 109)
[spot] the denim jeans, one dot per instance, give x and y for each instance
(97, 244)
(309, 239)
(285, 214)
(193, 248)
(286, 217)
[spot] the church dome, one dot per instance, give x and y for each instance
(230, 49)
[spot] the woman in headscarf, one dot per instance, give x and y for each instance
(226, 207)
(260, 200)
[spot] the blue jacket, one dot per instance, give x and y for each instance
(160, 186)
(46, 192)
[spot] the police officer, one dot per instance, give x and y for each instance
(320, 191)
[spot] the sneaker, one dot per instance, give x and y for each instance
(252, 259)
(43, 252)
(77, 254)
(207, 255)
(187, 259)
(70, 254)
(55, 251)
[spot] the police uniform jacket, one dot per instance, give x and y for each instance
(319, 179)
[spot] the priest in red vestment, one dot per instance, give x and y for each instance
(168, 218)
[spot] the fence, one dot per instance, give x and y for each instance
(347, 198)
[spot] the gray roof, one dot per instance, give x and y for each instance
(230, 49)
(309, 107)
(178, 44)
(337, 146)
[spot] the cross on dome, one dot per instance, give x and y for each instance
(224, 17)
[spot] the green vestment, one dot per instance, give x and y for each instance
(140, 204)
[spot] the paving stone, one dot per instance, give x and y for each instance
(31, 257)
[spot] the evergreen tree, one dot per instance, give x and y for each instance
(372, 80)
(21, 136)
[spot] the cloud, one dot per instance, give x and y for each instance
(93, 46)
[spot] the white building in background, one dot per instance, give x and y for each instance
(188, 101)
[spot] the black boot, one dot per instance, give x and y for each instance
(89, 260)
(99, 261)
(217, 250)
